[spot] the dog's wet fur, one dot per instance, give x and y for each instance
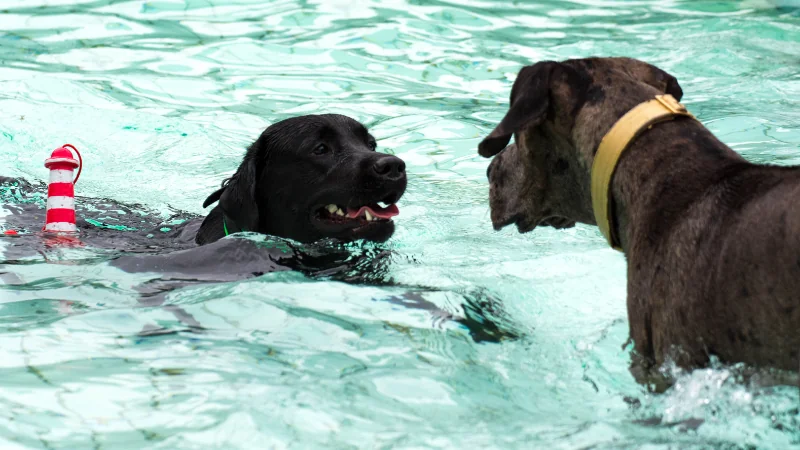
(298, 167)
(276, 203)
(712, 241)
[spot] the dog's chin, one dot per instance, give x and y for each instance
(559, 223)
(375, 231)
(526, 224)
(523, 224)
(525, 227)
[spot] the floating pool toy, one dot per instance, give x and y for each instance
(60, 216)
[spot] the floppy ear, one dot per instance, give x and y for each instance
(667, 83)
(530, 99)
(238, 198)
(213, 197)
(673, 88)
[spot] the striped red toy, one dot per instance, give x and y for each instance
(61, 190)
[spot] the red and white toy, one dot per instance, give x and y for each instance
(61, 190)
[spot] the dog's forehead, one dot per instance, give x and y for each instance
(343, 125)
(605, 70)
(333, 129)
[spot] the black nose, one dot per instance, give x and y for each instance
(390, 167)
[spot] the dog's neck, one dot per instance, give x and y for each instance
(663, 172)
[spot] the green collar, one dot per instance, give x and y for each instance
(236, 228)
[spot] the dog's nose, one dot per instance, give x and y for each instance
(390, 167)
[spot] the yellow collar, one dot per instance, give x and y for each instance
(628, 128)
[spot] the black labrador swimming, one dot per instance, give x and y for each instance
(311, 183)
(306, 178)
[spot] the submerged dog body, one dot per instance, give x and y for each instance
(712, 241)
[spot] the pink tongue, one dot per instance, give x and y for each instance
(375, 210)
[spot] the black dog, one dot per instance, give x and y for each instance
(309, 178)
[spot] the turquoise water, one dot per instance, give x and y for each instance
(163, 96)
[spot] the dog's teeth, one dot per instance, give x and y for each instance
(339, 212)
(368, 216)
(331, 208)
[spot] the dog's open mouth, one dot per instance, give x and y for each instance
(364, 216)
(347, 217)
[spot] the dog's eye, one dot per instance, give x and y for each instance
(373, 145)
(321, 149)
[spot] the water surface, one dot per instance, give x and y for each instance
(163, 96)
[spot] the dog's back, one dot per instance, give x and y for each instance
(725, 279)
(758, 266)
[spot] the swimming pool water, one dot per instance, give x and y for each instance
(163, 96)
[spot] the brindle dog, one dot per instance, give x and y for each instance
(712, 241)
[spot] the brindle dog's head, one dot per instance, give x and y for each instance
(559, 113)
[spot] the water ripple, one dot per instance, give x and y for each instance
(162, 97)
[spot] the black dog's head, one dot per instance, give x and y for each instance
(314, 177)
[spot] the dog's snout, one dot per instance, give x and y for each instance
(390, 167)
